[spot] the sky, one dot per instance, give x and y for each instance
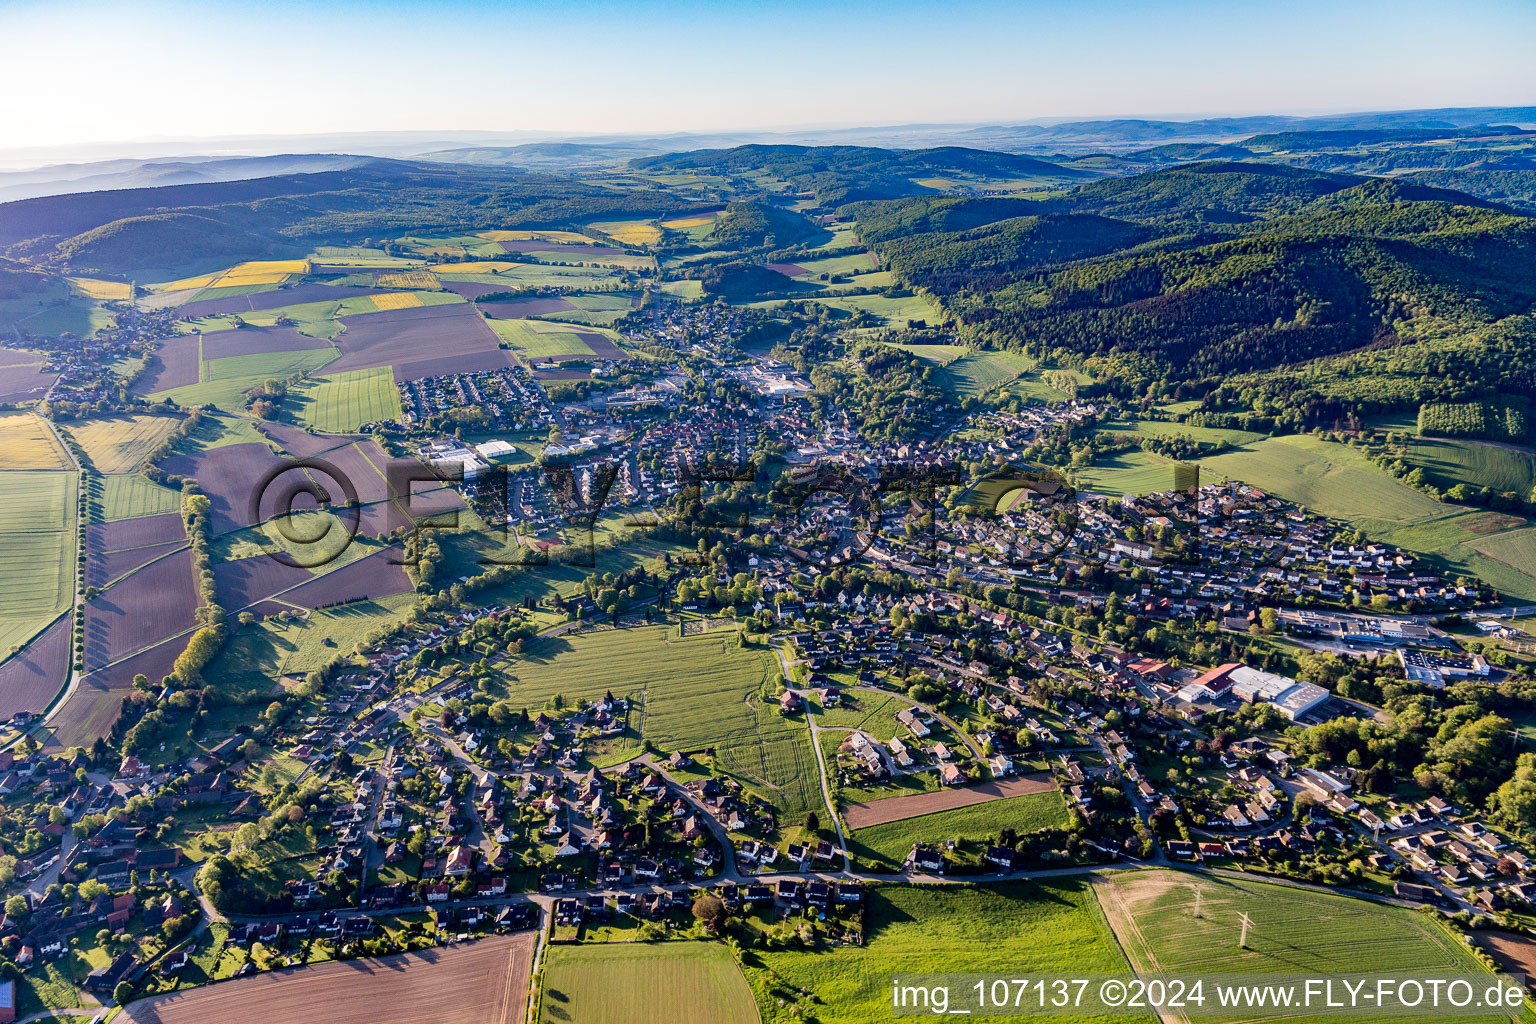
(86, 72)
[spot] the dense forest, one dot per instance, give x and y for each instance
(1197, 273)
(752, 225)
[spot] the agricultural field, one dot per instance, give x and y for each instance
(1161, 428)
(225, 382)
(1132, 472)
(974, 375)
(695, 227)
(898, 808)
(344, 401)
(685, 289)
(893, 312)
(22, 376)
(541, 340)
(833, 266)
(27, 443)
(939, 355)
(119, 444)
(636, 983)
(1450, 461)
(55, 309)
(1331, 478)
(127, 496)
(1053, 927)
(503, 275)
(629, 232)
(396, 300)
(422, 279)
(600, 309)
(1293, 930)
(887, 845)
(536, 235)
(37, 560)
(95, 288)
(538, 340)
(488, 980)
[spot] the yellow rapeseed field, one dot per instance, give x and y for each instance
(630, 232)
(27, 443)
(264, 268)
(683, 223)
(396, 300)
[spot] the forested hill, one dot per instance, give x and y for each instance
(117, 231)
(841, 174)
(1197, 272)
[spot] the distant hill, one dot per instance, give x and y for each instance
(546, 156)
(118, 231)
(65, 179)
(842, 174)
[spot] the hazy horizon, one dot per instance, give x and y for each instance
(172, 72)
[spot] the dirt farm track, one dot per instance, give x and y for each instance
(483, 982)
(896, 808)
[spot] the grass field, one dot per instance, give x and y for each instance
(119, 444)
(1448, 462)
(37, 561)
(1160, 428)
(895, 312)
(225, 382)
(695, 693)
(1293, 930)
(939, 355)
(888, 844)
(539, 340)
(1133, 472)
(342, 402)
(127, 496)
(975, 375)
(255, 657)
(27, 443)
(858, 263)
(1323, 475)
(635, 983)
(1025, 928)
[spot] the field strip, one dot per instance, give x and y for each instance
(899, 808)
